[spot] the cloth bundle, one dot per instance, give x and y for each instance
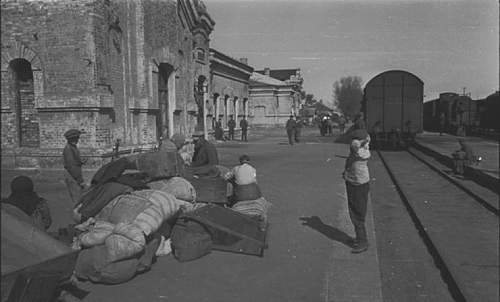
(257, 207)
(177, 186)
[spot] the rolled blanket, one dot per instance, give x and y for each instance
(177, 186)
(257, 207)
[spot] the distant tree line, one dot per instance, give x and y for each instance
(348, 94)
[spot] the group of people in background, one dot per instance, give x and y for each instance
(231, 125)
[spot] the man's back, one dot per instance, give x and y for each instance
(290, 124)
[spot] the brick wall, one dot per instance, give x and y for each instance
(93, 64)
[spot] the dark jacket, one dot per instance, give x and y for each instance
(73, 162)
(231, 124)
(205, 153)
(243, 124)
(290, 124)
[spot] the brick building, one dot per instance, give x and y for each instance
(229, 85)
(272, 101)
(127, 70)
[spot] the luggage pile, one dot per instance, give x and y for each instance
(139, 208)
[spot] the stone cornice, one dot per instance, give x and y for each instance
(196, 16)
(219, 57)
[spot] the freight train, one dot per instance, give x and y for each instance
(392, 106)
(460, 115)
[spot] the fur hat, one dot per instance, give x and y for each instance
(72, 133)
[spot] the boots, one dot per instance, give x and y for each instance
(361, 242)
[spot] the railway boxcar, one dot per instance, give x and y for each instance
(488, 110)
(393, 103)
(457, 110)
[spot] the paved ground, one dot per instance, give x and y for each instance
(305, 261)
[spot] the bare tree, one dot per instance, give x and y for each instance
(348, 95)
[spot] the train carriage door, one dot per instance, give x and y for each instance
(412, 96)
(393, 91)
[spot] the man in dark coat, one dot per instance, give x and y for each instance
(298, 128)
(244, 129)
(73, 165)
(219, 132)
(205, 155)
(231, 125)
(290, 129)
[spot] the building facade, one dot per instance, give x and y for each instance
(229, 90)
(122, 71)
(271, 101)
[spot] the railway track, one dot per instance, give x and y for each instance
(458, 225)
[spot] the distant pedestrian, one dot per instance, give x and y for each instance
(23, 197)
(290, 129)
(73, 165)
(231, 125)
(244, 129)
(342, 123)
(357, 178)
(329, 125)
(462, 157)
(219, 133)
(298, 128)
(442, 121)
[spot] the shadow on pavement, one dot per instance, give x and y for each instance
(314, 222)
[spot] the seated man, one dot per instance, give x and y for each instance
(205, 156)
(24, 198)
(462, 157)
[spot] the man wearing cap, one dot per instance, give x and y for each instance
(73, 165)
(205, 155)
(290, 129)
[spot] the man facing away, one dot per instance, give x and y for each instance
(73, 165)
(244, 129)
(290, 129)
(231, 125)
(357, 179)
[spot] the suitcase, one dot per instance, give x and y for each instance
(209, 189)
(231, 231)
(190, 240)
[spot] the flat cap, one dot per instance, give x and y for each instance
(72, 133)
(198, 133)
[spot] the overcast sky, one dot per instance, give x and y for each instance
(448, 44)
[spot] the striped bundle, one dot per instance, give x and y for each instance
(257, 207)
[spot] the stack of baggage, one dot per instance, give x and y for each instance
(139, 208)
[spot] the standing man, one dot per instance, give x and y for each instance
(357, 179)
(244, 129)
(298, 127)
(442, 123)
(342, 122)
(73, 165)
(231, 125)
(290, 129)
(219, 133)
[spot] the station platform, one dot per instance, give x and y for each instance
(442, 146)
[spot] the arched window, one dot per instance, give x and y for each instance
(23, 91)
